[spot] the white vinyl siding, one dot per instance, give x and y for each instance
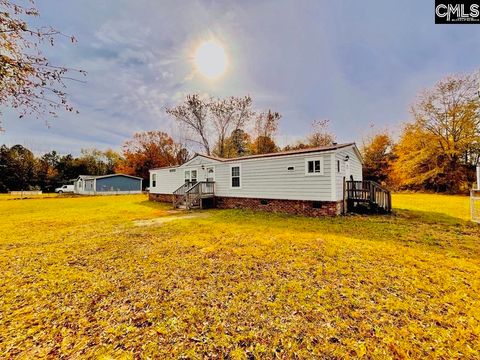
(168, 181)
(269, 178)
(276, 177)
(355, 164)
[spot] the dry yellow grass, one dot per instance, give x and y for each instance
(80, 279)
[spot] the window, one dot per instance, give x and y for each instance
(194, 176)
(263, 202)
(314, 166)
(154, 180)
(338, 166)
(235, 172)
(187, 176)
(291, 168)
(172, 170)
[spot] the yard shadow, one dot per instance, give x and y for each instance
(435, 230)
(431, 230)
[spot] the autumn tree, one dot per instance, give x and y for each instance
(419, 163)
(47, 171)
(265, 129)
(111, 158)
(447, 117)
(378, 156)
(148, 150)
(30, 83)
(238, 144)
(97, 162)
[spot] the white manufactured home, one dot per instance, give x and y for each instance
(308, 181)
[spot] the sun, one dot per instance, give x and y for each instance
(210, 59)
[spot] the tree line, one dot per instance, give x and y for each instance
(21, 169)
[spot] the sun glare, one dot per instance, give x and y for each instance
(210, 59)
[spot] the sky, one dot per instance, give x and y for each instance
(359, 64)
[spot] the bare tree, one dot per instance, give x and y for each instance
(229, 115)
(210, 121)
(266, 126)
(193, 115)
(320, 136)
(266, 123)
(29, 82)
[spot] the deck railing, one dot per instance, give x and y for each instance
(370, 192)
(193, 192)
(179, 195)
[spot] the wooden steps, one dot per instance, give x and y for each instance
(192, 195)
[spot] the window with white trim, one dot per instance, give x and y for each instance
(235, 174)
(338, 166)
(187, 176)
(154, 180)
(314, 166)
(194, 176)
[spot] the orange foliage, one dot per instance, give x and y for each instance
(149, 150)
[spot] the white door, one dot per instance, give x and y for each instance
(347, 170)
(210, 173)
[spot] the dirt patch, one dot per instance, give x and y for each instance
(165, 219)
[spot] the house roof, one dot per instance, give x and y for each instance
(280, 153)
(88, 177)
(293, 152)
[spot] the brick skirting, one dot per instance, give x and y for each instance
(296, 207)
(161, 197)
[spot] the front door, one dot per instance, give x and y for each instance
(347, 170)
(210, 174)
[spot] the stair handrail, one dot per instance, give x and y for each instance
(181, 193)
(371, 189)
(190, 196)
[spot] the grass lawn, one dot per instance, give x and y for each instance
(84, 277)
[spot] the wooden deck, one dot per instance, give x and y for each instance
(366, 196)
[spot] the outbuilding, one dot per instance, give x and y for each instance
(108, 184)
